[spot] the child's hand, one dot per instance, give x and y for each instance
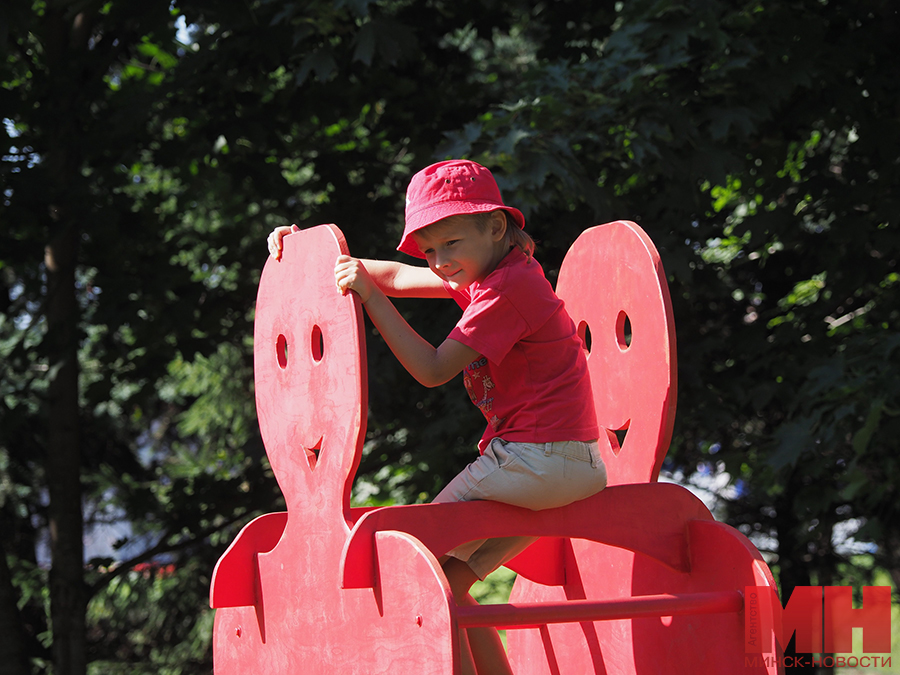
(351, 275)
(274, 241)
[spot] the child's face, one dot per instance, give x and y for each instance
(460, 252)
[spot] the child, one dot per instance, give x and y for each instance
(522, 362)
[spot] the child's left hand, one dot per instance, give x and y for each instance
(351, 275)
(275, 242)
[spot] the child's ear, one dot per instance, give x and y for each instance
(498, 225)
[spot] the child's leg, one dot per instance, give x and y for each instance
(485, 649)
(536, 476)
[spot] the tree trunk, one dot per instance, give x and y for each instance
(68, 593)
(66, 40)
(793, 567)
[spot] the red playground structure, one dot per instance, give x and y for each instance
(638, 579)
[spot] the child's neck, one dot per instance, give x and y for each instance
(501, 250)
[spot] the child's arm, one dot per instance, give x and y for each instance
(429, 365)
(398, 280)
(395, 279)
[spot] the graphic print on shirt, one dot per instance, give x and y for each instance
(478, 382)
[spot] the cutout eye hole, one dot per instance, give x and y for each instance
(317, 344)
(623, 331)
(584, 332)
(281, 351)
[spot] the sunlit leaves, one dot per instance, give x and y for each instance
(805, 292)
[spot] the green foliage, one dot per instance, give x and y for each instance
(152, 620)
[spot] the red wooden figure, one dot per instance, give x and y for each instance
(637, 579)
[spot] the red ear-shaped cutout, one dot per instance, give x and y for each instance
(616, 292)
(310, 370)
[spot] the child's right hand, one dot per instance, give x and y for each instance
(275, 239)
(351, 275)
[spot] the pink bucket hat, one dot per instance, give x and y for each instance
(450, 188)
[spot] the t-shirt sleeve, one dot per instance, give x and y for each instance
(490, 325)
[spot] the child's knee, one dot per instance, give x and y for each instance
(460, 577)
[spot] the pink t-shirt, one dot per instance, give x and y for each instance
(531, 382)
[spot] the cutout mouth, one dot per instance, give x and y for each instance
(312, 454)
(617, 438)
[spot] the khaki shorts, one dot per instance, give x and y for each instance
(532, 475)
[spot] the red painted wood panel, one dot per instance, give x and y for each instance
(324, 588)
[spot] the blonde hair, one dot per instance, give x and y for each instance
(515, 235)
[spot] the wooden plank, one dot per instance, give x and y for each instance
(536, 614)
(650, 519)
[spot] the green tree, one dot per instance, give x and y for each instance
(149, 170)
(757, 146)
(97, 304)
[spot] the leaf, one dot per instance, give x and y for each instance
(358, 7)
(365, 44)
(321, 62)
(827, 376)
(508, 143)
(738, 120)
(459, 143)
(862, 437)
(793, 439)
(805, 292)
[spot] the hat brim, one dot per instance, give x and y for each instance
(435, 212)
